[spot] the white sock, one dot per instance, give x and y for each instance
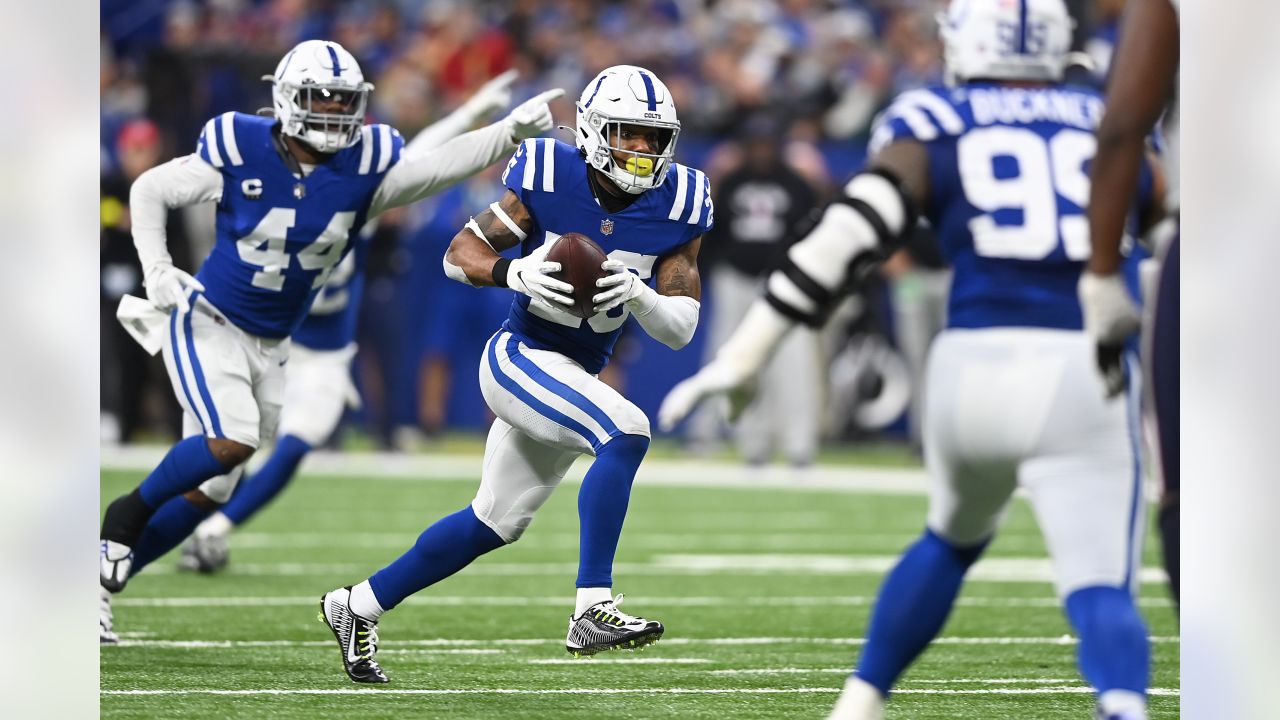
(364, 603)
(590, 596)
(215, 524)
(1125, 704)
(859, 701)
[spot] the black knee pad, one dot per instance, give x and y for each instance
(125, 518)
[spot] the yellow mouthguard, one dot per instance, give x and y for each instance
(641, 167)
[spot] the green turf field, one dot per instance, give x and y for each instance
(764, 594)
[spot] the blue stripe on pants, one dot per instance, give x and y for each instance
(198, 372)
(177, 364)
(511, 386)
(1132, 409)
(543, 378)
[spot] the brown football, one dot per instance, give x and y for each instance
(580, 258)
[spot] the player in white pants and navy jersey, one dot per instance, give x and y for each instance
(621, 187)
(291, 190)
(997, 161)
(318, 384)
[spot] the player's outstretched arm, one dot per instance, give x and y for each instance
(473, 259)
(876, 209)
(491, 97)
(420, 175)
(180, 182)
(670, 313)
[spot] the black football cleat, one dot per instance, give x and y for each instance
(357, 637)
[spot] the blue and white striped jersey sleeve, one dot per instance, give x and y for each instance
(532, 168)
(380, 149)
(691, 201)
(217, 144)
(921, 115)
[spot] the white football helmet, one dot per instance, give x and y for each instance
(314, 71)
(627, 95)
(1006, 39)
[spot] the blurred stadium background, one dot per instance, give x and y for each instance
(789, 84)
(744, 73)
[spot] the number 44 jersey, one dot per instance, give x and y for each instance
(279, 236)
(1008, 188)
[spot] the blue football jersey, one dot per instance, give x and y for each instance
(551, 179)
(1008, 187)
(279, 237)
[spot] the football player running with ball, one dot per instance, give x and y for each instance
(292, 190)
(997, 161)
(620, 187)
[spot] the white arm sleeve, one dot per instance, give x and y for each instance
(182, 181)
(437, 134)
(669, 319)
(420, 175)
(755, 338)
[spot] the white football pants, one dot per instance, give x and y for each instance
(1009, 407)
(229, 383)
(317, 390)
(550, 410)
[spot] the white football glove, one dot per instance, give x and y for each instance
(528, 275)
(532, 117)
(1110, 318)
(493, 95)
(719, 377)
(167, 287)
(623, 286)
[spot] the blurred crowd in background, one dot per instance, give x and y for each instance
(775, 99)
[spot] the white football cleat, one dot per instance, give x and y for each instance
(603, 627)
(207, 550)
(116, 560)
(859, 701)
(106, 636)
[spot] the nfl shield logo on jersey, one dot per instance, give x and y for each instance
(606, 226)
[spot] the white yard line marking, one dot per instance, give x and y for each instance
(681, 473)
(845, 670)
(507, 642)
(996, 569)
(1060, 690)
(441, 651)
(619, 661)
(569, 541)
(556, 601)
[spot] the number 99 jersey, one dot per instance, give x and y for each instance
(279, 237)
(550, 178)
(1008, 188)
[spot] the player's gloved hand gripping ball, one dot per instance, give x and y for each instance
(531, 275)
